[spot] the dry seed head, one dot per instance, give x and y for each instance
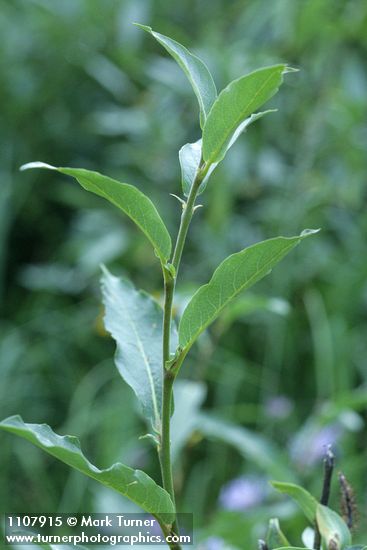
(347, 501)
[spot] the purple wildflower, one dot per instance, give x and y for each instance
(214, 543)
(279, 407)
(243, 493)
(310, 446)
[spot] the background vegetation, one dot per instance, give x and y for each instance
(286, 366)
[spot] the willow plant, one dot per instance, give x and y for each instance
(150, 350)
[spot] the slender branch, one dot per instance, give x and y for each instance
(328, 473)
(187, 213)
(170, 374)
(325, 495)
(165, 454)
(169, 288)
(168, 379)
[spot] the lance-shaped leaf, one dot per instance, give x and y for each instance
(128, 198)
(240, 99)
(275, 535)
(304, 499)
(133, 484)
(196, 71)
(236, 273)
(333, 529)
(134, 320)
(292, 548)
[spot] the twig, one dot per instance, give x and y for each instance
(325, 495)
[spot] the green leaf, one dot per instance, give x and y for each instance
(236, 273)
(275, 535)
(189, 156)
(134, 320)
(133, 484)
(333, 529)
(128, 198)
(304, 499)
(250, 445)
(234, 104)
(196, 71)
(292, 548)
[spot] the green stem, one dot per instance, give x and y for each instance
(166, 531)
(168, 379)
(169, 289)
(170, 374)
(165, 454)
(187, 215)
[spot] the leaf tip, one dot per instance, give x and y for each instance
(143, 27)
(288, 69)
(36, 164)
(308, 232)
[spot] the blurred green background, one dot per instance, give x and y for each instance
(283, 373)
